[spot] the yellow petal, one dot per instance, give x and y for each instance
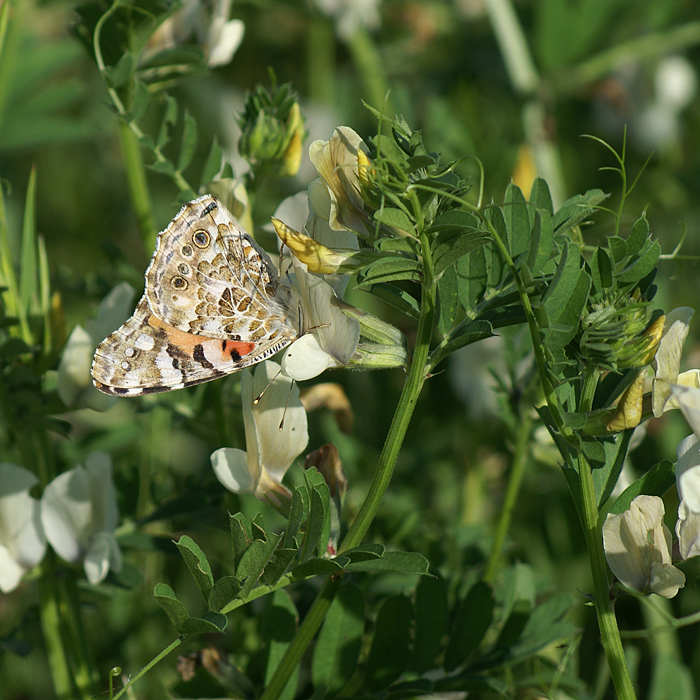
(313, 254)
(629, 407)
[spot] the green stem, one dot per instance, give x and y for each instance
(385, 468)
(302, 639)
(149, 666)
(56, 650)
(138, 185)
(515, 480)
(607, 622)
(369, 64)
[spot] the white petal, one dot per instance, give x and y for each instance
(74, 367)
(66, 514)
(225, 41)
(305, 359)
(280, 420)
(668, 355)
(114, 310)
(294, 211)
(665, 580)
(688, 399)
(690, 378)
(688, 472)
(688, 531)
(250, 390)
(231, 468)
(105, 511)
(99, 557)
(10, 571)
(21, 533)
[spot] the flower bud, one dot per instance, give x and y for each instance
(331, 396)
(272, 130)
(375, 356)
(628, 413)
(327, 460)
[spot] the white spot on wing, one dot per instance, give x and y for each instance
(144, 342)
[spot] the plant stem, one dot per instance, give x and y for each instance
(171, 647)
(515, 480)
(138, 185)
(607, 622)
(387, 460)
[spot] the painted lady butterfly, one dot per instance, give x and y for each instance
(213, 304)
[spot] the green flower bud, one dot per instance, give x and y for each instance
(375, 356)
(272, 130)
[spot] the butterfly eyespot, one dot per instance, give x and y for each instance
(186, 250)
(201, 239)
(130, 352)
(179, 282)
(126, 366)
(183, 269)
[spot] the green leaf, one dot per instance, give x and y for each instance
(389, 269)
(115, 76)
(28, 259)
(566, 298)
(279, 625)
(176, 56)
(541, 243)
(601, 270)
(447, 300)
(541, 198)
(340, 640)
(618, 248)
(164, 167)
(298, 512)
(605, 477)
(640, 267)
(210, 623)
(456, 221)
(395, 217)
(638, 236)
(169, 118)
(280, 560)
(401, 562)
(365, 552)
(391, 643)
(404, 244)
(577, 209)
(140, 101)
(213, 164)
(671, 679)
(473, 274)
(659, 479)
(241, 537)
(450, 246)
(318, 567)
(189, 142)
(224, 591)
(466, 333)
(471, 622)
(174, 609)
(197, 563)
(431, 622)
(544, 627)
(517, 219)
(318, 524)
(253, 562)
(397, 298)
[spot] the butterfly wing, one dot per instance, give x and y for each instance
(147, 355)
(210, 278)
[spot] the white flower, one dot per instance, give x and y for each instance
(667, 360)
(22, 541)
(332, 336)
(351, 15)
(275, 431)
(79, 513)
(688, 531)
(218, 36)
(638, 548)
(74, 383)
(688, 472)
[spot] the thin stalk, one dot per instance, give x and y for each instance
(607, 622)
(515, 480)
(149, 666)
(369, 64)
(138, 185)
(385, 468)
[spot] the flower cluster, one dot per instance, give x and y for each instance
(77, 515)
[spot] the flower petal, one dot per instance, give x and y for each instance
(103, 554)
(225, 39)
(231, 468)
(305, 359)
(688, 472)
(688, 531)
(668, 356)
(10, 571)
(66, 514)
(665, 580)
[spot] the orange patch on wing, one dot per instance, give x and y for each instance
(240, 347)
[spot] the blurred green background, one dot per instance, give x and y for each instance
(519, 101)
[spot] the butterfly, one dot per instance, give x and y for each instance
(213, 304)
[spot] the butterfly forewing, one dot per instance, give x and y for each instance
(212, 305)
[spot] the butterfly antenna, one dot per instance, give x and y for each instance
(256, 400)
(286, 406)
